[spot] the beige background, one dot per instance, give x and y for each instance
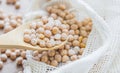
(10, 66)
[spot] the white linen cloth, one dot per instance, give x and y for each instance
(102, 54)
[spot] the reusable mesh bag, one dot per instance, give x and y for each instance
(102, 53)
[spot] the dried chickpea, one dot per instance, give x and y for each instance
(41, 36)
(84, 40)
(58, 36)
(3, 50)
(8, 52)
(48, 62)
(54, 63)
(71, 32)
(51, 53)
(54, 16)
(17, 5)
(48, 26)
(74, 27)
(83, 33)
(4, 57)
(42, 43)
(62, 6)
(47, 33)
(58, 58)
(71, 38)
(1, 64)
(35, 53)
(76, 37)
(65, 58)
(36, 58)
(67, 47)
(44, 58)
(64, 52)
(19, 61)
(1, 23)
(33, 25)
(71, 52)
(23, 54)
(27, 31)
(13, 56)
(11, 1)
(82, 45)
(55, 30)
(17, 52)
(34, 42)
(49, 45)
(77, 32)
(27, 38)
(40, 30)
(44, 19)
(49, 9)
(81, 51)
(79, 24)
(74, 57)
(64, 36)
(8, 28)
(39, 24)
(75, 43)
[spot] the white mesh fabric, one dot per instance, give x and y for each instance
(102, 54)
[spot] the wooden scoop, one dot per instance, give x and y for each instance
(14, 39)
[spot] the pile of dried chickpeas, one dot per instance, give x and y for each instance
(57, 26)
(43, 34)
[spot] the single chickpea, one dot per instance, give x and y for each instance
(81, 51)
(83, 33)
(39, 24)
(49, 9)
(61, 47)
(27, 38)
(27, 31)
(1, 64)
(8, 52)
(55, 6)
(47, 33)
(55, 30)
(84, 40)
(17, 52)
(44, 58)
(71, 52)
(17, 5)
(65, 58)
(4, 57)
(7, 28)
(11, 1)
(62, 14)
(48, 26)
(71, 38)
(69, 16)
(44, 53)
(71, 32)
(3, 50)
(64, 36)
(13, 23)
(40, 30)
(36, 58)
(65, 31)
(42, 43)
(67, 47)
(34, 42)
(33, 25)
(33, 31)
(77, 32)
(74, 27)
(48, 62)
(23, 54)
(58, 58)
(44, 19)
(76, 49)
(51, 53)
(80, 39)
(62, 6)
(76, 37)
(35, 53)
(13, 56)
(19, 61)
(82, 45)
(64, 52)
(49, 45)
(41, 36)
(46, 39)
(79, 24)
(58, 42)
(1, 24)
(33, 36)
(54, 11)
(54, 63)
(74, 57)
(76, 43)
(88, 28)
(54, 16)
(58, 36)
